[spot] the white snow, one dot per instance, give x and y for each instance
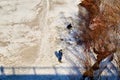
(30, 33)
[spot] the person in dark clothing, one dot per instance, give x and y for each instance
(59, 55)
(69, 26)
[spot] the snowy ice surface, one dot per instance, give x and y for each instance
(30, 33)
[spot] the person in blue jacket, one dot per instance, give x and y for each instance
(59, 55)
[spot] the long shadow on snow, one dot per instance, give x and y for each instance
(35, 75)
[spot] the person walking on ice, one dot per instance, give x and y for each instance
(59, 55)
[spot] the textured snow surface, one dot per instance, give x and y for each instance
(30, 33)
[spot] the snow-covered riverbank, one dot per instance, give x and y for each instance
(31, 31)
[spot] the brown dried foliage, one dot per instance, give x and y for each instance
(102, 22)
